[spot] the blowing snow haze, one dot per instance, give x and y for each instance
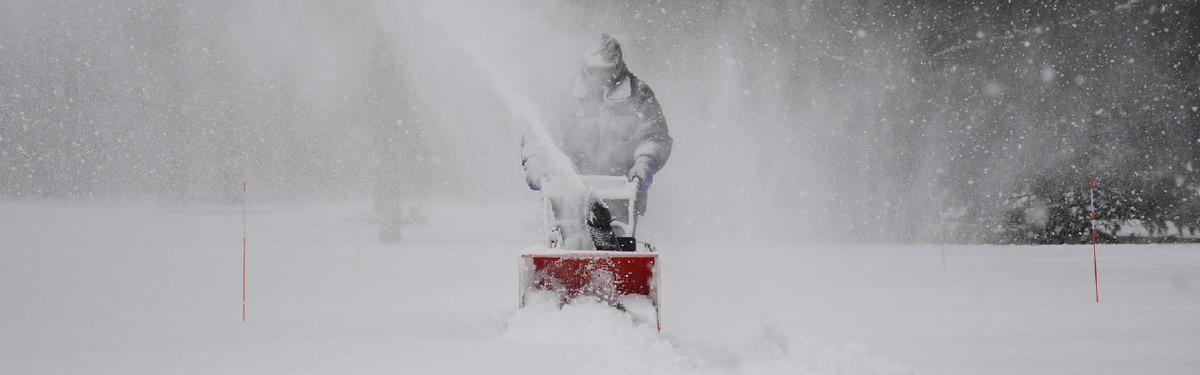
(809, 121)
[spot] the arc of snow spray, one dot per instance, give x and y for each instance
(524, 109)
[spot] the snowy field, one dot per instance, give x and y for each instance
(114, 289)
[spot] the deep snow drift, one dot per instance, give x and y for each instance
(102, 289)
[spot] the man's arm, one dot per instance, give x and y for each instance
(654, 140)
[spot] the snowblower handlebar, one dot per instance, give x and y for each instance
(609, 188)
(612, 187)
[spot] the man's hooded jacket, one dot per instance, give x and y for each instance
(610, 120)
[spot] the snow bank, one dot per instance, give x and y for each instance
(633, 346)
(774, 351)
(96, 289)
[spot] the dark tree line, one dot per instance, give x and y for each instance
(893, 119)
(1094, 90)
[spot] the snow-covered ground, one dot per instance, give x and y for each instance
(115, 289)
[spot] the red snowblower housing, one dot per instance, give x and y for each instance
(565, 269)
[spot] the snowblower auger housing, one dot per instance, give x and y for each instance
(566, 267)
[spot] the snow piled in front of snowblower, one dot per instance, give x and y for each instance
(629, 345)
(586, 320)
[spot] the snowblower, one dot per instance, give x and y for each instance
(576, 261)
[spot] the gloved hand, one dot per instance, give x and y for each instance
(535, 171)
(643, 170)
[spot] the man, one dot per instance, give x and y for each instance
(612, 126)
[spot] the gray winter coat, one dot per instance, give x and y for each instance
(604, 133)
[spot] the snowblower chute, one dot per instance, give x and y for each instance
(568, 267)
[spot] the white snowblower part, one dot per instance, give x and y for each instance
(568, 267)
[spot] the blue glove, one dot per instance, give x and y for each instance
(643, 170)
(535, 171)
